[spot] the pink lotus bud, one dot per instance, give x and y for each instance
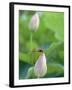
(40, 68)
(34, 22)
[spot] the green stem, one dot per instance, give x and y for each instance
(31, 41)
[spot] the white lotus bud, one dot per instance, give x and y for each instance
(40, 68)
(34, 22)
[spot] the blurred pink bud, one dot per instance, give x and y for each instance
(40, 68)
(34, 22)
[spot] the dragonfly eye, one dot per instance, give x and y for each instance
(37, 50)
(40, 50)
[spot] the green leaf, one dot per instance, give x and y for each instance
(52, 47)
(30, 73)
(55, 70)
(24, 57)
(55, 21)
(30, 57)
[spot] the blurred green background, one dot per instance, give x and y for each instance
(49, 37)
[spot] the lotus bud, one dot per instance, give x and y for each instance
(34, 22)
(40, 67)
